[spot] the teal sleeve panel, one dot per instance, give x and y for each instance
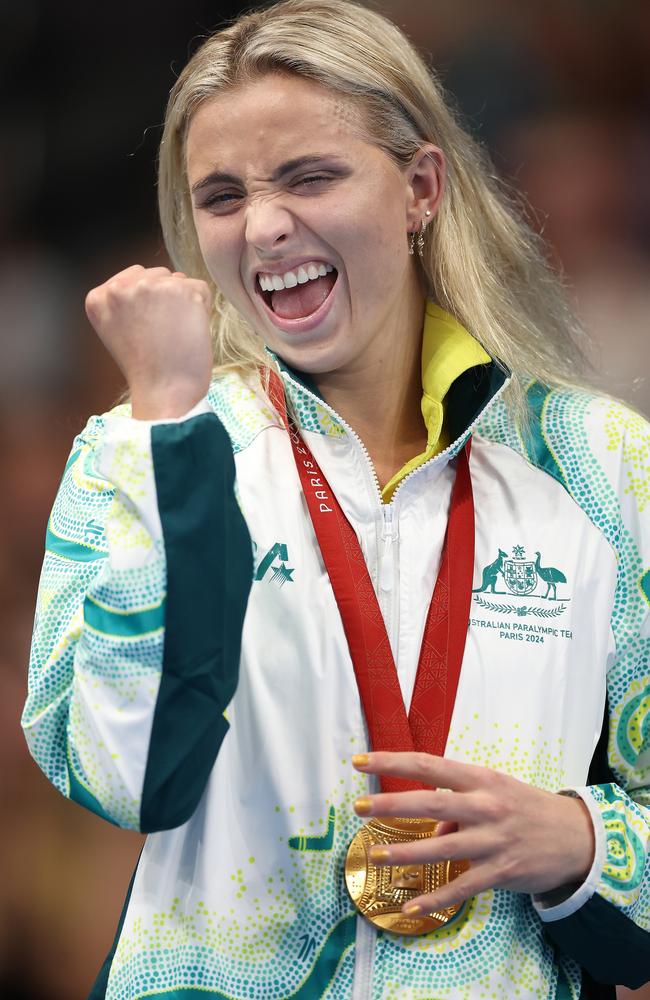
(612, 948)
(209, 574)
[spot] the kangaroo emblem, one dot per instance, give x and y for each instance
(490, 574)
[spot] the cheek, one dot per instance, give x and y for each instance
(380, 257)
(218, 252)
(378, 242)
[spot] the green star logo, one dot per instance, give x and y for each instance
(518, 551)
(282, 574)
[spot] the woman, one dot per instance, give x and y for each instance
(337, 232)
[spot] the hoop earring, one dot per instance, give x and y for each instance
(417, 239)
(420, 240)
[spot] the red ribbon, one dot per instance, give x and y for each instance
(427, 725)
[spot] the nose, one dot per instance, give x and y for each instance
(268, 226)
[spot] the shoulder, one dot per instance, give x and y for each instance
(594, 440)
(596, 447)
(576, 433)
(94, 430)
(240, 403)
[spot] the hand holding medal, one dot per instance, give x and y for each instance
(514, 835)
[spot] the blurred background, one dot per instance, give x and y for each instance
(558, 90)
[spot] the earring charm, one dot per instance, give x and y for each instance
(417, 239)
(420, 239)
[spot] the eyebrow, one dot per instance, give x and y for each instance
(219, 177)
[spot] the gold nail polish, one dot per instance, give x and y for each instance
(363, 806)
(379, 854)
(360, 759)
(412, 909)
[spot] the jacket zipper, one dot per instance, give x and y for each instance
(366, 933)
(389, 535)
(449, 451)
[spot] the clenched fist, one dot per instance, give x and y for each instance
(156, 324)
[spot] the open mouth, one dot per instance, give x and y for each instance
(297, 295)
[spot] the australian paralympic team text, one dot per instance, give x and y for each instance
(521, 631)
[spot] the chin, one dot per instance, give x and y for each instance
(314, 358)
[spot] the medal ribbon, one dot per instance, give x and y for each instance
(441, 655)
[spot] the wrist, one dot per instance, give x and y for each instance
(163, 403)
(585, 841)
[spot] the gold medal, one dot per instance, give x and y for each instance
(380, 892)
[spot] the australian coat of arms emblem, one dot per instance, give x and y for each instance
(521, 577)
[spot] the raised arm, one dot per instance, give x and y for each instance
(146, 575)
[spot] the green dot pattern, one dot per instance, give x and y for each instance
(255, 953)
(72, 666)
(603, 451)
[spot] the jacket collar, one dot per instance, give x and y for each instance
(459, 380)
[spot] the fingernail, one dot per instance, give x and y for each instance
(363, 806)
(379, 854)
(360, 760)
(412, 909)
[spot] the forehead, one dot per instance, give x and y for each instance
(274, 118)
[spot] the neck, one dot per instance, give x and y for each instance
(380, 396)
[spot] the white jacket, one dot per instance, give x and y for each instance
(167, 697)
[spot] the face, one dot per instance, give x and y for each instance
(286, 193)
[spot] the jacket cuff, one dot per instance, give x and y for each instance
(549, 912)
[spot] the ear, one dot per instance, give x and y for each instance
(425, 177)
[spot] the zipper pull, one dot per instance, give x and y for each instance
(386, 566)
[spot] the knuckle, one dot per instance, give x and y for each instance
(433, 805)
(422, 765)
(490, 807)
(199, 286)
(491, 779)
(113, 290)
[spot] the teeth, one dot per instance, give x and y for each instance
(306, 272)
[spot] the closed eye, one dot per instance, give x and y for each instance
(310, 180)
(223, 198)
(226, 199)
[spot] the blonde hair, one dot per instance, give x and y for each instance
(481, 262)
